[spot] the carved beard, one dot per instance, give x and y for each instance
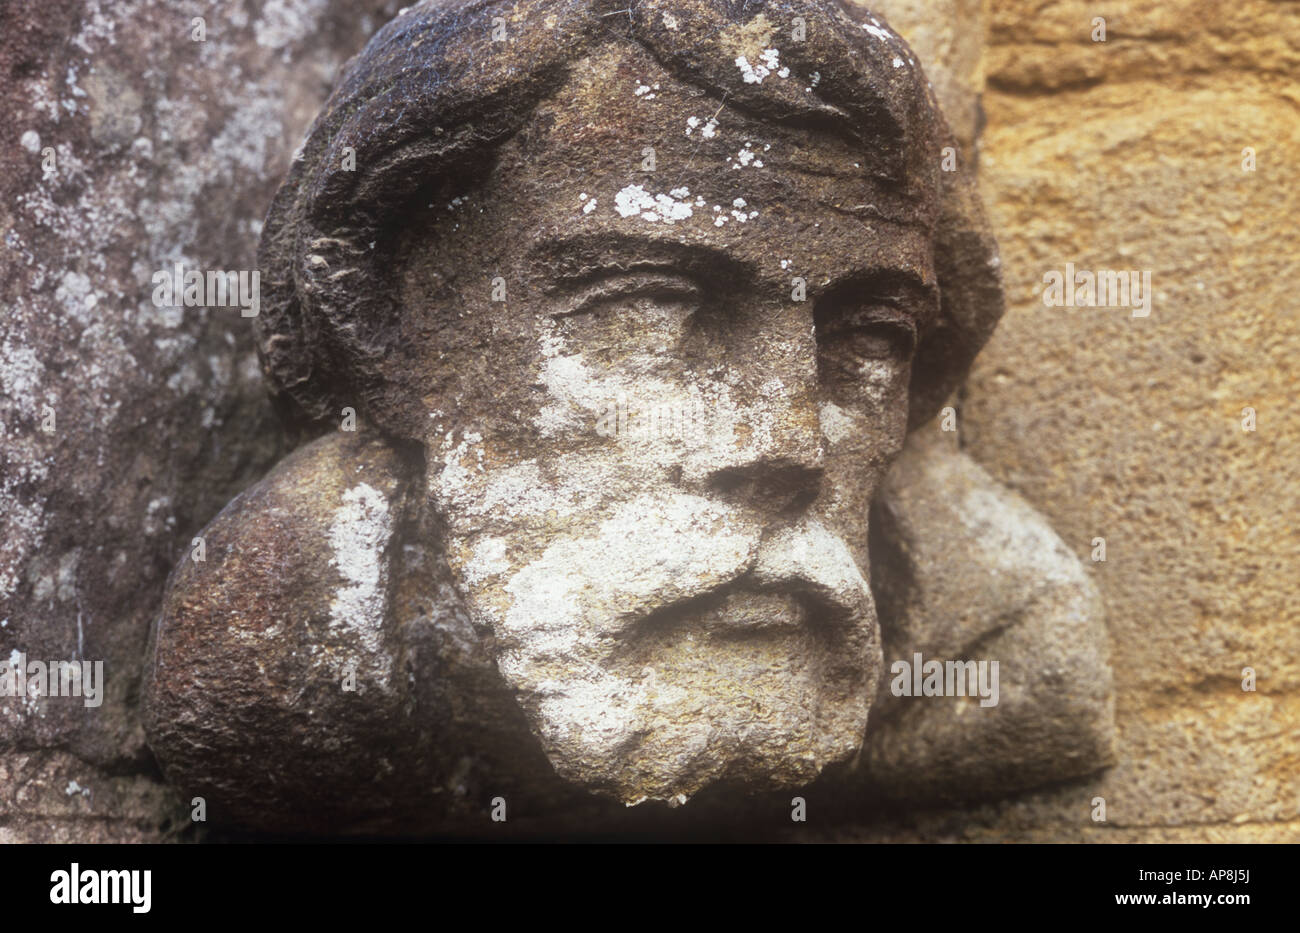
(674, 642)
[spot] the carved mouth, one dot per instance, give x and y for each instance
(741, 609)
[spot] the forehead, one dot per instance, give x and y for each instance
(628, 152)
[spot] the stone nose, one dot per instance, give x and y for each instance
(769, 456)
(775, 485)
(767, 450)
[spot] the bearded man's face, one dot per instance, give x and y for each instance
(656, 416)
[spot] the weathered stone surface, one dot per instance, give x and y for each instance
(966, 570)
(163, 149)
(1046, 48)
(246, 698)
(948, 37)
(1125, 155)
(43, 799)
(262, 632)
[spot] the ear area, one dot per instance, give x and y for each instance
(283, 346)
(971, 299)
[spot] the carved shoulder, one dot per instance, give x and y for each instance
(264, 648)
(966, 570)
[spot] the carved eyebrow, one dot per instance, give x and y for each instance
(890, 286)
(642, 280)
(567, 264)
(571, 262)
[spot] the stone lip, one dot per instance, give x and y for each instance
(792, 605)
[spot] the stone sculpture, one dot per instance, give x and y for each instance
(608, 322)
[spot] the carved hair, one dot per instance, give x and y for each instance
(433, 95)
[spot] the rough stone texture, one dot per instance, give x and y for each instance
(165, 149)
(964, 569)
(948, 39)
(672, 608)
(1128, 155)
(261, 643)
(245, 699)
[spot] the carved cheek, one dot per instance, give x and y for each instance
(863, 429)
(870, 418)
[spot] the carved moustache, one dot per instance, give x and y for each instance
(686, 561)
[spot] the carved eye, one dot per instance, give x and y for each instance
(847, 342)
(626, 314)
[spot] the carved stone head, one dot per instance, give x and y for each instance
(658, 294)
(647, 297)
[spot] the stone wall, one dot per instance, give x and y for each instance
(1128, 154)
(126, 426)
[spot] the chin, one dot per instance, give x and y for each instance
(675, 766)
(684, 707)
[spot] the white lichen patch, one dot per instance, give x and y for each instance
(569, 385)
(488, 560)
(652, 549)
(21, 372)
(877, 375)
(837, 424)
(635, 201)
(456, 476)
(769, 62)
(359, 535)
(809, 552)
(746, 157)
(562, 619)
(25, 532)
(737, 213)
(287, 22)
